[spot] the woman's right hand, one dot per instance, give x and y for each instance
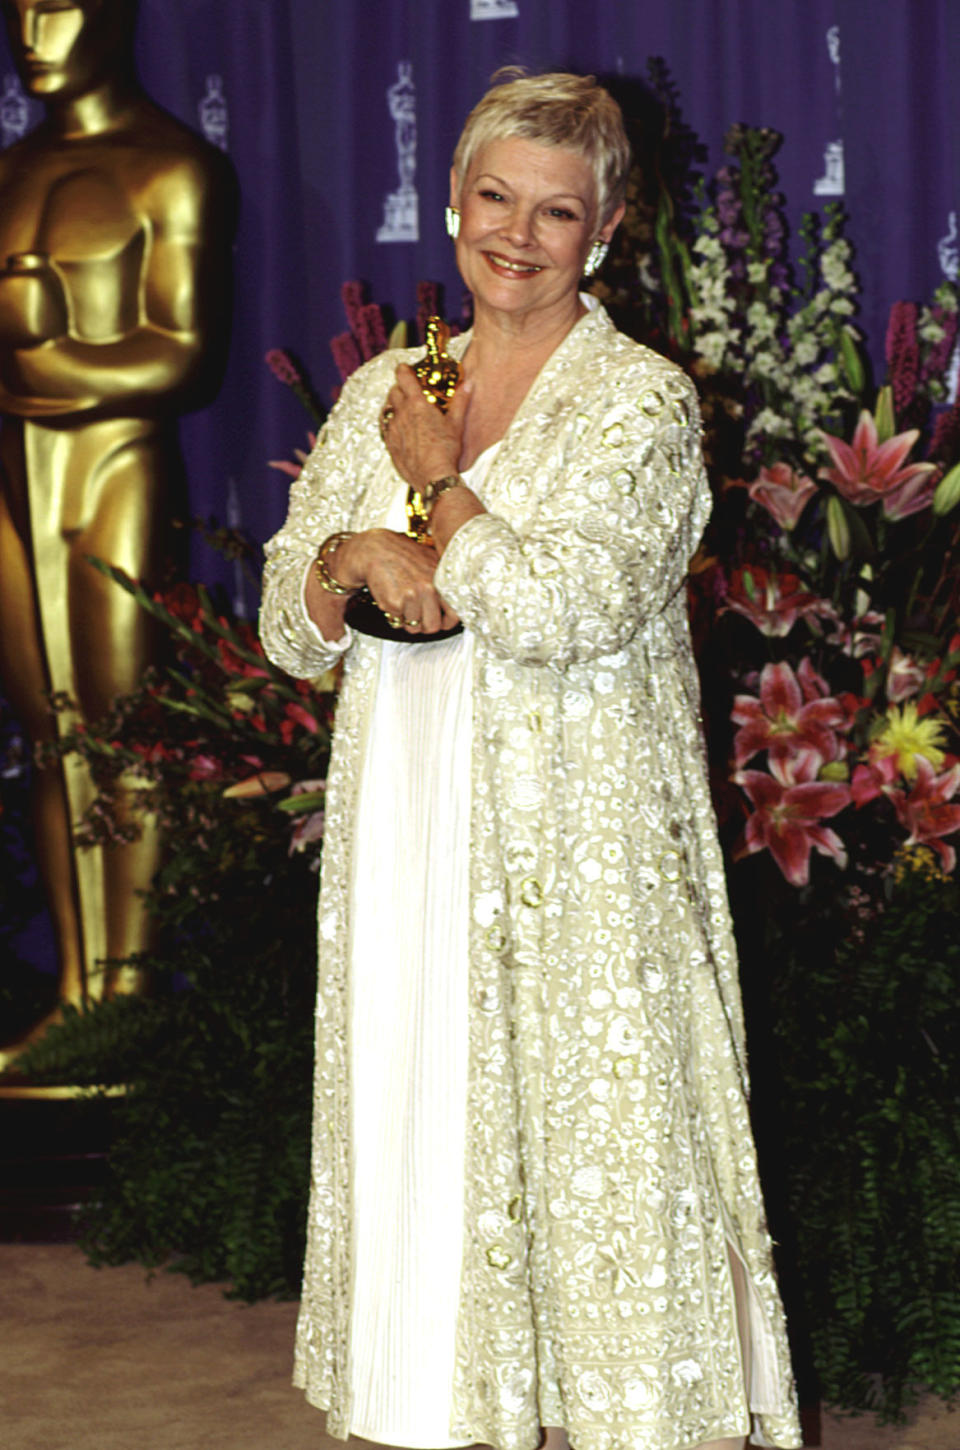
(398, 572)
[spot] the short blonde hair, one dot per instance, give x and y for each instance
(554, 109)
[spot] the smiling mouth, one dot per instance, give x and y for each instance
(521, 269)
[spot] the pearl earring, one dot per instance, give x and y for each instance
(452, 219)
(595, 257)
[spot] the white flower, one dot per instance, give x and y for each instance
(515, 1390)
(686, 1372)
(711, 346)
(594, 1391)
(622, 1038)
(587, 1182)
(638, 1393)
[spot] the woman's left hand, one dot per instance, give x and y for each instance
(424, 443)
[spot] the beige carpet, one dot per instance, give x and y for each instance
(105, 1359)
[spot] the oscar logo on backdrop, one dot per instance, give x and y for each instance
(832, 182)
(115, 237)
(400, 207)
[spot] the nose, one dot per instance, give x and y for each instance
(518, 227)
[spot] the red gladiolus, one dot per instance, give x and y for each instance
(235, 665)
(302, 717)
(182, 601)
(203, 767)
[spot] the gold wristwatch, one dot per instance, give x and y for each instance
(420, 504)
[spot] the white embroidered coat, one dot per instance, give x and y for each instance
(609, 1157)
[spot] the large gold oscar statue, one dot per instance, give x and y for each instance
(115, 234)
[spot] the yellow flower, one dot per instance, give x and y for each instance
(906, 736)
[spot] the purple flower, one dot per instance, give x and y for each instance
(370, 331)
(945, 443)
(283, 367)
(353, 296)
(346, 354)
(902, 354)
(938, 358)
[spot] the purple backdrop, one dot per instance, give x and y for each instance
(297, 92)
(334, 186)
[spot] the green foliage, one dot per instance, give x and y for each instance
(868, 1047)
(210, 1159)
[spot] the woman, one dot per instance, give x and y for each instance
(534, 1198)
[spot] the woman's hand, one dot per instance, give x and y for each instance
(423, 442)
(399, 574)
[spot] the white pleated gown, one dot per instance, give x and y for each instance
(408, 1046)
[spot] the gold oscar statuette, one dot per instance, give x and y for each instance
(438, 375)
(116, 226)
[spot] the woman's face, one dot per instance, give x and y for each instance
(528, 216)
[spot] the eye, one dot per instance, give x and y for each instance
(489, 194)
(562, 214)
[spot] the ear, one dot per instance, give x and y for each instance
(454, 188)
(609, 227)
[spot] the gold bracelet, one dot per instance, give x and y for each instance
(331, 585)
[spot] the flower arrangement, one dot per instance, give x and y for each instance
(825, 604)
(828, 582)
(210, 1144)
(218, 723)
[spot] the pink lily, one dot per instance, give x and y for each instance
(773, 602)
(790, 806)
(309, 826)
(905, 678)
(781, 490)
(866, 471)
(873, 778)
(787, 718)
(926, 813)
(864, 636)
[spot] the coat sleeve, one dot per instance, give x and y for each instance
(609, 546)
(322, 501)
